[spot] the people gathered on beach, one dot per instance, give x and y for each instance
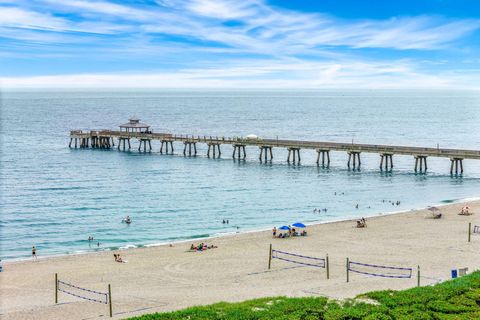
(362, 223)
(118, 258)
(290, 232)
(202, 247)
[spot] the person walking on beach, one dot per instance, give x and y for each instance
(34, 253)
(274, 232)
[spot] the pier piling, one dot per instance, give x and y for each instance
(237, 150)
(293, 151)
(456, 163)
(212, 148)
(266, 152)
(421, 163)
(353, 157)
(167, 143)
(325, 155)
(387, 159)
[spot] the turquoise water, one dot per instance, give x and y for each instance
(55, 197)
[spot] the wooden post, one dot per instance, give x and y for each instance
(261, 153)
(110, 300)
(327, 266)
(348, 267)
(469, 231)
(56, 287)
(418, 276)
(270, 257)
(271, 153)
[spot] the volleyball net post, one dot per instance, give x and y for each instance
(110, 300)
(469, 231)
(327, 266)
(418, 276)
(348, 269)
(270, 257)
(56, 288)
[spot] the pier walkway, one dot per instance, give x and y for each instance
(106, 139)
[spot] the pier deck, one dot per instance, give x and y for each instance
(105, 139)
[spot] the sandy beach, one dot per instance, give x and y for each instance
(167, 278)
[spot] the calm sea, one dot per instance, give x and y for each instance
(55, 197)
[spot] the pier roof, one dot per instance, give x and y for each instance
(134, 123)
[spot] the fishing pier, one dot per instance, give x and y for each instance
(135, 130)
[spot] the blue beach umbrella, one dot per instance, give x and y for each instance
(299, 225)
(284, 228)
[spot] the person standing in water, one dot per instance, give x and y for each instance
(34, 253)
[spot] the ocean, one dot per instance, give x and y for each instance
(55, 197)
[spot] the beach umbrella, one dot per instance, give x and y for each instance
(284, 228)
(433, 209)
(299, 225)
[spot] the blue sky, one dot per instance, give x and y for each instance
(240, 44)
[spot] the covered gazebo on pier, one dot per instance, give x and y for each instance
(134, 125)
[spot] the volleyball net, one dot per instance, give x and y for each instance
(376, 270)
(83, 293)
(298, 259)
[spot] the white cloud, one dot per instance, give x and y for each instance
(270, 74)
(223, 32)
(260, 29)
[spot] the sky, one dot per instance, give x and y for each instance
(312, 44)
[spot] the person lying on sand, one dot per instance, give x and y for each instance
(201, 247)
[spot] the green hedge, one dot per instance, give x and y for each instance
(455, 299)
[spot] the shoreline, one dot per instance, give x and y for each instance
(230, 234)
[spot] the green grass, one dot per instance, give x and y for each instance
(455, 299)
